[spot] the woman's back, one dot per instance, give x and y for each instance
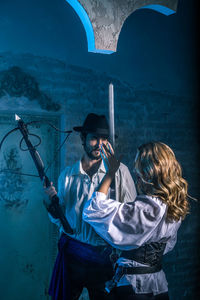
(149, 224)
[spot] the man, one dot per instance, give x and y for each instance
(84, 257)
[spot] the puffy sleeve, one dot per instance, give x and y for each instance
(172, 228)
(123, 225)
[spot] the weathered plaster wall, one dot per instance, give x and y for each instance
(108, 16)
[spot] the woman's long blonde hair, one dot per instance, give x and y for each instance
(159, 174)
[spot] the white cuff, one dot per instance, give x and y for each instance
(100, 196)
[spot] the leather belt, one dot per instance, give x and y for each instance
(140, 270)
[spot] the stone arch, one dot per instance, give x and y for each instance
(103, 19)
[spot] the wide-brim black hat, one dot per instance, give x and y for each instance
(96, 124)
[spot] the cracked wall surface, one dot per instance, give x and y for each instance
(103, 19)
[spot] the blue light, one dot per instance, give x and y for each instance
(160, 8)
(88, 27)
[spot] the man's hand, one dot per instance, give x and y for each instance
(53, 207)
(50, 191)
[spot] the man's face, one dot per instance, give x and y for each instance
(93, 144)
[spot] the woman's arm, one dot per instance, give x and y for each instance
(112, 165)
(123, 225)
(105, 184)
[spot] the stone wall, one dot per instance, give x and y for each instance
(141, 115)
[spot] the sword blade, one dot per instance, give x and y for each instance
(111, 115)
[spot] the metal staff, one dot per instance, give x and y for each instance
(111, 115)
(112, 133)
(114, 193)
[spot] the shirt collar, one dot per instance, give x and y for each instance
(78, 169)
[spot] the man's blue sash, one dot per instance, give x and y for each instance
(69, 248)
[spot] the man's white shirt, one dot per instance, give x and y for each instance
(75, 188)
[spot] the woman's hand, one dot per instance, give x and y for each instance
(109, 158)
(112, 165)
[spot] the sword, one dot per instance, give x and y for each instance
(114, 192)
(111, 115)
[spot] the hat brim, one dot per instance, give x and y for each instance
(90, 130)
(81, 129)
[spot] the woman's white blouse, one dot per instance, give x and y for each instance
(130, 225)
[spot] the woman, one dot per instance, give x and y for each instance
(145, 229)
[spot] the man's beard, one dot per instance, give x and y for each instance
(89, 153)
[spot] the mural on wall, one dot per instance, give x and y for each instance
(27, 235)
(11, 181)
(17, 83)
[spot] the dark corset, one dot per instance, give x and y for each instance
(150, 254)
